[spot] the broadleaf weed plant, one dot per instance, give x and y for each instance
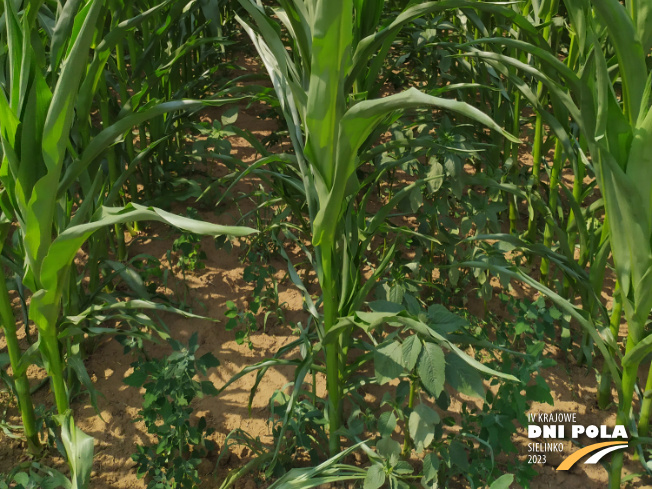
(170, 387)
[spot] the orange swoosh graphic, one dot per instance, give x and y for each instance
(574, 457)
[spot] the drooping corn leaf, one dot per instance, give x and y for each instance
(44, 307)
(65, 246)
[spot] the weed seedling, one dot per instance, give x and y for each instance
(191, 256)
(244, 321)
(170, 385)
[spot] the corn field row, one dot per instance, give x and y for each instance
(395, 191)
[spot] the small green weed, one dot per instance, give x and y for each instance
(170, 385)
(264, 299)
(243, 321)
(191, 256)
(265, 295)
(530, 323)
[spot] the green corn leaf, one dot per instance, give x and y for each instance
(26, 65)
(578, 15)
(79, 451)
(102, 53)
(551, 71)
(127, 306)
(631, 57)
(559, 94)
(637, 354)
(8, 132)
(33, 119)
(327, 472)
(300, 374)
(131, 277)
(295, 18)
(611, 123)
(38, 213)
(37, 217)
(332, 39)
(369, 46)
(65, 246)
(271, 34)
(630, 232)
(62, 32)
(642, 10)
(639, 163)
(15, 51)
(77, 364)
(367, 16)
(61, 110)
(61, 253)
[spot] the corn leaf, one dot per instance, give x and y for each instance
(79, 451)
(65, 246)
(642, 10)
(62, 32)
(630, 234)
(639, 163)
(369, 46)
(629, 50)
(331, 58)
(61, 110)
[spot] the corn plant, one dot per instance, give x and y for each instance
(617, 131)
(22, 387)
(547, 11)
(40, 172)
(174, 52)
(322, 89)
